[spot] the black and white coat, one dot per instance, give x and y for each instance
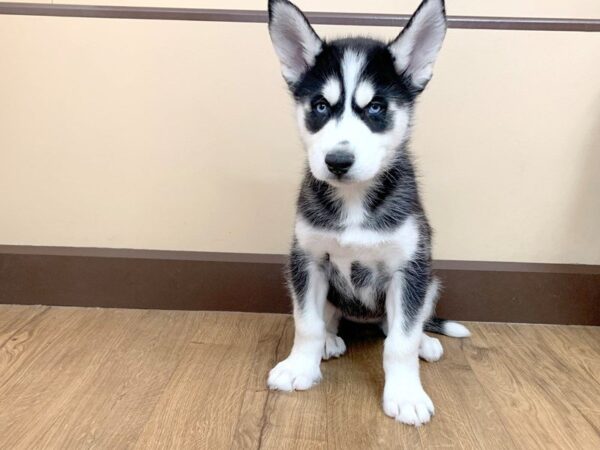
(362, 242)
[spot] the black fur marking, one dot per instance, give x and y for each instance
(380, 70)
(297, 272)
(314, 120)
(394, 196)
(342, 296)
(377, 123)
(389, 87)
(435, 325)
(317, 203)
(417, 277)
(310, 87)
(352, 306)
(360, 275)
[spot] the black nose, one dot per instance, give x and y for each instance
(339, 161)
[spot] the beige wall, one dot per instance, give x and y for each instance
(180, 135)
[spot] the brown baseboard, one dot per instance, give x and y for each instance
(123, 278)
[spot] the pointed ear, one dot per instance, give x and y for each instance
(296, 43)
(417, 45)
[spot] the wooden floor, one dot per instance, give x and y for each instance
(112, 379)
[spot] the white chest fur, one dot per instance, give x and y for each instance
(356, 243)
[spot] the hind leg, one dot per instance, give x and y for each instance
(430, 348)
(334, 345)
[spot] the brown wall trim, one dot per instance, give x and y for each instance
(185, 255)
(329, 18)
(180, 255)
(125, 278)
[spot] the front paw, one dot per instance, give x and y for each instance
(294, 374)
(407, 404)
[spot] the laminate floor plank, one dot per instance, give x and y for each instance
(77, 378)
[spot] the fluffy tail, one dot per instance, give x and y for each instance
(446, 327)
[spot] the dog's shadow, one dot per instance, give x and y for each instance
(364, 343)
(360, 333)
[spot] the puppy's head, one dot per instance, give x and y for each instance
(354, 96)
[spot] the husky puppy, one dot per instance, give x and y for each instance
(362, 243)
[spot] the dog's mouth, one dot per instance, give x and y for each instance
(342, 180)
(338, 178)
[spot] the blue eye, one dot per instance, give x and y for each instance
(375, 109)
(322, 107)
